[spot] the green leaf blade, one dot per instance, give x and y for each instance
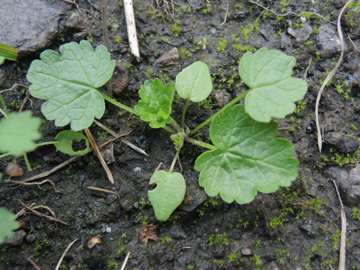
(155, 104)
(248, 158)
(7, 224)
(65, 140)
(274, 91)
(168, 194)
(68, 82)
(194, 82)
(18, 133)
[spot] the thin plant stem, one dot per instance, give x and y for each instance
(174, 161)
(46, 143)
(175, 124)
(184, 112)
(5, 155)
(3, 105)
(28, 166)
(200, 143)
(118, 104)
(169, 129)
(235, 100)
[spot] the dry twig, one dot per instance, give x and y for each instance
(332, 73)
(31, 209)
(288, 13)
(34, 183)
(342, 256)
(97, 151)
(125, 261)
(131, 28)
(63, 255)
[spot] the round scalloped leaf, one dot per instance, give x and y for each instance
(65, 142)
(18, 132)
(194, 82)
(68, 82)
(168, 194)
(7, 224)
(274, 91)
(248, 158)
(155, 104)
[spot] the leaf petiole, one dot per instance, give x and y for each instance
(207, 121)
(174, 161)
(184, 112)
(118, 104)
(175, 124)
(200, 143)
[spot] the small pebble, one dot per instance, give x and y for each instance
(137, 169)
(14, 170)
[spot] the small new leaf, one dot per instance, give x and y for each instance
(65, 142)
(274, 92)
(155, 105)
(248, 158)
(18, 132)
(194, 82)
(68, 82)
(7, 224)
(168, 194)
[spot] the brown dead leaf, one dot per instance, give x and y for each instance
(148, 233)
(93, 241)
(14, 170)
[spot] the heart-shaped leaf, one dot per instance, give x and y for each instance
(68, 82)
(7, 224)
(155, 105)
(18, 132)
(274, 91)
(248, 158)
(65, 142)
(168, 194)
(194, 82)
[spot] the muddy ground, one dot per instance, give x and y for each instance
(294, 228)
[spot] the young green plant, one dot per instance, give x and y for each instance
(244, 157)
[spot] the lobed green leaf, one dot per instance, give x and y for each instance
(68, 82)
(168, 194)
(194, 82)
(248, 158)
(155, 105)
(7, 224)
(18, 132)
(274, 91)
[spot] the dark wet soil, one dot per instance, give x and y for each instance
(294, 228)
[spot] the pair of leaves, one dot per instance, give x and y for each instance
(193, 83)
(273, 90)
(68, 81)
(248, 158)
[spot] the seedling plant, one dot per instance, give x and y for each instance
(245, 155)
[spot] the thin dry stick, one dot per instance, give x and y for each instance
(332, 73)
(122, 140)
(104, 23)
(342, 257)
(307, 68)
(125, 261)
(352, 42)
(97, 151)
(41, 214)
(24, 101)
(227, 10)
(34, 183)
(103, 190)
(65, 163)
(63, 255)
(288, 13)
(131, 28)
